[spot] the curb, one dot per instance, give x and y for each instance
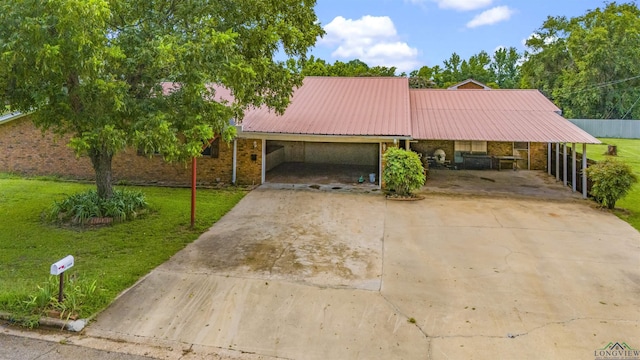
(69, 325)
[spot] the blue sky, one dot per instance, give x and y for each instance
(411, 33)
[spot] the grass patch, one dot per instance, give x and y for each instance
(627, 208)
(114, 256)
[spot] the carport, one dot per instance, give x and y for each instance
(321, 161)
(480, 128)
(334, 130)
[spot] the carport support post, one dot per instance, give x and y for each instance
(574, 180)
(557, 161)
(584, 171)
(564, 164)
(549, 158)
(263, 176)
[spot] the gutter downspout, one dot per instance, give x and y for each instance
(235, 161)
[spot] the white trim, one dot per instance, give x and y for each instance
(557, 161)
(456, 86)
(564, 164)
(380, 153)
(11, 116)
(321, 138)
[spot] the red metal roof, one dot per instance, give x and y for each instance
(357, 106)
(495, 115)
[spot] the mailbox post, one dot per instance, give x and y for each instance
(58, 269)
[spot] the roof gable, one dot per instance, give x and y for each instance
(469, 84)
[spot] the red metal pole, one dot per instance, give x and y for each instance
(193, 184)
(193, 191)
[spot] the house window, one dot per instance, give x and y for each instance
(213, 150)
(471, 146)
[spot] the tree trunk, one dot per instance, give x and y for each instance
(101, 160)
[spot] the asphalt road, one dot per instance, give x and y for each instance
(23, 348)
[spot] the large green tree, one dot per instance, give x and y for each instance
(118, 73)
(478, 67)
(589, 64)
(506, 68)
(500, 70)
(356, 67)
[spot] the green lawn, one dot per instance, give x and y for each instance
(629, 152)
(114, 256)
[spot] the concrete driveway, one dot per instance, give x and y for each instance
(337, 275)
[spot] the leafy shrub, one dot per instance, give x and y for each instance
(403, 172)
(79, 208)
(612, 180)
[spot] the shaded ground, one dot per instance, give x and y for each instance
(312, 274)
(506, 183)
(323, 174)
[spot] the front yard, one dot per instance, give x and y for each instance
(112, 258)
(628, 208)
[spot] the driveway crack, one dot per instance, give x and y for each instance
(515, 335)
(278, 258)
(401, 313)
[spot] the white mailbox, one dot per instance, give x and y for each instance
(62, 265)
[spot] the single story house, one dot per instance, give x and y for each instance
(339, 121)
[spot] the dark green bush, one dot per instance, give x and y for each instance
(403, 172)
(612, 180)
(79, 208)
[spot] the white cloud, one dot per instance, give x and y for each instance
(372, 39)
(491, 16)
(461, 5)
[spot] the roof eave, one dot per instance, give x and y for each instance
(11, 116)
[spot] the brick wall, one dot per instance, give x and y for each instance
(538, 154)
(499, 148)
(249, 163)
(26, 151)
(428, 147)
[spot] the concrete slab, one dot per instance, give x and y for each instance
(336, 275)
(494, 278)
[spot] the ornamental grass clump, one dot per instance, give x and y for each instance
(612, 180)
(403, 172)
(80, 208)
